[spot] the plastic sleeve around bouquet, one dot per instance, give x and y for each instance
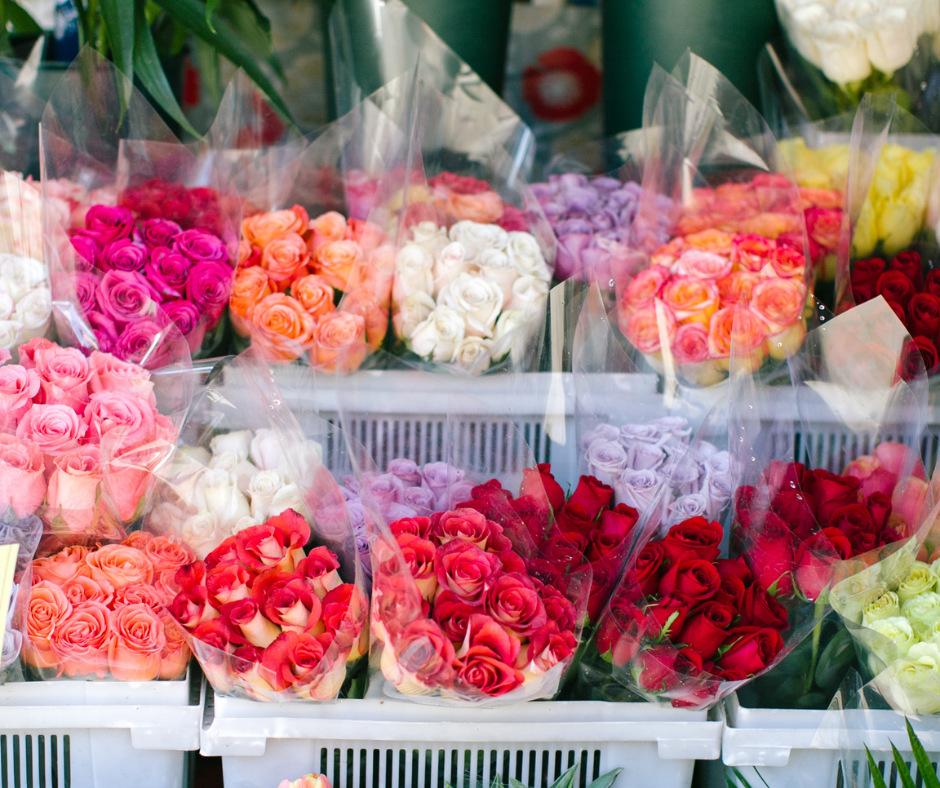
(20, 111)
(475, 252)
(479, 599)
(25, 532)
(279, 610)
(736, 227)
(140, 231)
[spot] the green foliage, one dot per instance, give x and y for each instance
(566, 780)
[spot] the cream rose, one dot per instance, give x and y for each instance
(7, 306)
(923, 611)
(892, 39)
(267, 453)
(497, 267)
(429, 235)
(262, 489)
(919, 580)
(912, 684)
(217, 492)
(510, 332)
(34, 311)
(898, 631)
(411, 312)
(526, 255)
(478, 299)
(448, 265)
(436, 337)
(842, 53)
(885, 606)
(237, 441)
(9, 332)
(19, 276)
(476, 237)
(241, 469)
(530, 295)
(202, 533)
(471, 354)
(414, 271)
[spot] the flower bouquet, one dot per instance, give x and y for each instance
(99, 612)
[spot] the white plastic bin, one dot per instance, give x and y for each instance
(376, 743)
(99, 734)
(783, 748)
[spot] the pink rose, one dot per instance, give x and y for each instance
(108, 223)
(128, 473)
(54, 428)
(466, 524)
(702, 265)
(690, 345)
(896, 458)
(465, 569)
(908, 502)
(138, 640)
(109, 373)
(146, 342)
(127, 416)
(645, 286)
(63, 374)
(73, 488)
(513, 602)
(18, 387)
(643, 328)
(126, 255)
(22, 484)
(125, 297)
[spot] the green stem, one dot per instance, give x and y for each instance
(819, 615)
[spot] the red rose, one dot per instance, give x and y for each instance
(696, 534)
(261, 547)
(648, 565)
(192, 576)
(416, 526)
(512, 561)
(534, 516)
(924, 361)
(656, 669)
(816, 558)
(453, 615)
(783, 476)
(465, 569)
(484, 631)
(490, 500)
(731, 593)
(899, 311)
(566, 551)
(548, 646)
(909, 264)
(593, 495)
(734, 567)
(545, 571)
(620, 631)
(292, 657)
(225, 552)
(669, 611)
(932, 283)
(481, 669)
(574, 518)
(539, 484)
(286, 600)
(760, 609)
(865, 275)
(615, 526)
(852, 519)
(895, 286)
(468, 525)
(692, 577)
(706, 628)
(558, 607)
(217, 634)
(924, 316)
(752, 649)
(294, 527)
(830, 492)
(769, 555)
(730, 675)
(879, 507)
(191, 608)
(513, 602)
(344, 613)
(794, 509)
(604, 576)
(425, 653)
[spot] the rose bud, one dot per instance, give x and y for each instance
(691, 577)
(547, 647)
(245, 617)
(465, 569)
(174, 659)
(668, 614)
(706, 628)
(228, 583)
(816, 559)
(731, 593)
(453, 616)
(484, 632)
(320, 570)
(191, 608)
(620, 632)
(512, 561)
(831, 492)
(419, 557)
(852, 520)
(909, 264)
(604, 576)
(345, 616)
(539, 484)
(735, 567)
(696, 534)
(513, 602)
(794, 509)
(592, 495)
(80, 642)
(752, 649)
(574, 519)
(291, 657)
(760, 609)
(895, 286)
(879, 507)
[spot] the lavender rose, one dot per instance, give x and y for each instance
(406, 470)
(607, 432)
(687, 506)
(421, 499)
(606, 460)
(200, 246)
(438, 476)
(646, 433)
(645, 457)
(384, 489)
(637, 488)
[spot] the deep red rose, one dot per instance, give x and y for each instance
(696, 534)
(923, 313)
(816, 559)
(574, 518)
(620, 631)
(706, 628)
(731, 593)
(895, 286)
(544, 571)
(748, 498)
(865, 275)
(794, 509)
(490, 500)
(670, 610)
(452, 615)
(692, 577)
(734, 567)
(830, 492)
(862, 543)
(656, 669)
(649, 563)
(614, 528)
(932, 283)
(534, 517)
(566, 551)
(730, 675)
(752, 649)
(512, 561)
(898, 310)
(591, 494)
(760, 609)
(879, 507)
(909, 264)
(852, 519)
(769, 555)
(604, 576)
(888, 536)
(924, 362)
(783, 476)
(539, 484)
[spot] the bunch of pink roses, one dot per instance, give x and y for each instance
(100, 611)
(131, 281)
(81, 437)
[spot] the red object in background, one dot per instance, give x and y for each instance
(562, 85)
(267, 132)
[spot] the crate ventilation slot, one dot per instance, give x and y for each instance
(34, 761)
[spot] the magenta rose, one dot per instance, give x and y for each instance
(104, 329)
(208, 286)
(159, 232)
(85, 284)
(87, 252)
(200, 246)
(186, 316)
(167, 271)
(142, 343)
(108, 223)
(126, 255)
(513, 602)
(124, 297)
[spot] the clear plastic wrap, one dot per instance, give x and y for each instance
(20, 111)
(269, 614)
(25, 532)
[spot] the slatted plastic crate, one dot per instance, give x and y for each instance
(99, 734)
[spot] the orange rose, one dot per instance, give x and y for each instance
(788, 262)
(642, 327)
(48, 607)
(80, 642)
(251, 285)
(62, 566)
(484, 208)
(138, 640)
(735, 325)
(175, 655)
(737, 287)
(263, 228)
(690, 299)
(337, 261)
(314, 294)
(770, 225)
(281, 327)
(714, 241)
(778, 302)
(340, 342)
(820, 198)
(120, 565)
(248, 255)
(365, 303)
(752, 252)
(327, 227)
(81, 589)
(285, 257)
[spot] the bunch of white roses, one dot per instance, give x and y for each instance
(465, 296)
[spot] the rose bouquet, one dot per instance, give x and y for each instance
(82, 439)
(269, 620)
(307, 781)
(25, 533)
(99, 612)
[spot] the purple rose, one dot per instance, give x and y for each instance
(104, 329)
(645, 457)
(108, 223)
(607, 432)
(570, 180)
(605, 184)
(685, 478)
(599, 260)
(606, 460)
(87, 253)
(687, 506)
(581, 198)
(124, 296)
(159, 232)
(208, 287)
(142, 343)
(637, 489)
(438, 476)
(392, 511)
(576, 226)
(421, 499)
(568, 262)
(406, 470)
(456, 494)
(647, 433)
(199, 246)
(126, 255)
(168, 271)
(384, 489)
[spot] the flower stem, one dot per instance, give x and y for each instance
(820, 613)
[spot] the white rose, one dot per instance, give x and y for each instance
(497, 267)
(530, 295)
(429, 235)
(410, 312)
(472, 354)
(7, 305)
(919, 580)
(892, 40)
(167, 517)
(414, 270)
(478, 299)
(526, 256)
(202, 534)
(21, 275)
(449, 263)
(241, 469)
(842, 53)
(923, 611)
(237, 441)
(267, 453)
(217, 492)
(436, 337)
(262, 489)
(34, 311)
(912, 684)
(476, 237)
(510, 332)
(803, 23)
(288, 497)
(9, 333)
(898, 631)
(243, 523)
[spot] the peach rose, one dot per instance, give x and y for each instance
(778, 302)
(263, 228)
(137, 539)
(788, 262)
(645, 286)
(642, 327)
(367, 234)
(484, 208)
(693, 300)
(327, 227)
(770, 225)
(47, 608)
(81, 589)
(752, 252)
(736, 325)
(341, 342)
(80, 642)
(175, 655)
(668, 253)
(281, 327)
(62, 566)
(702, 265)
(711, 240)
(251, 285)
(22, 483)
(165, 554)
(120, 565)
(366, 304)
(314, 294)
(73, 488)
(690, 345)
(285, 257)
(138, 594)
(138, 639)
(337, 261)
(737, 287)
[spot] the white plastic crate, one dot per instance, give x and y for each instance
(99, 734)
(376, 743)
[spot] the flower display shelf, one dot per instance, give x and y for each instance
(99, 734)
(784, 748)
(382, 743)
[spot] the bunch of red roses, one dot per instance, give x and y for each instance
(269, 620)
(914, 298)
(688, 621)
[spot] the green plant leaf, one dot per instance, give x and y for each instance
(208, 59)
(150, 70)
(742, 782)
(606, 780)
(567, 779)
(924, 767)
(516, 783)
(191, 14)
(835, 660)
(904, 771)
(210, 10)
(20, 18)
(254, 27)
(876, 777)
(497, 782)
(118, 17)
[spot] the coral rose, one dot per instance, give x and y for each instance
(315, 295)
(136, 645)
(734, 325)
(281, 327)
(251, 286)
(120, 565)
(647, 328)
(337, 261)
(340, 342)
(285, 257)
(261, 229)
(778, 302)
(47, 608)
(691, 299)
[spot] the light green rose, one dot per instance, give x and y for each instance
(922, 611)
(899, 633)
(935, 568)
(919, 580)
(912, 683)
(885, 606)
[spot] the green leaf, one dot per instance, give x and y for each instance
(191, 14)
(924, 767)
(208, 60)
(497, 782)
(741, 780)
(118, 17)
(567, 779)
(606, 780)
(150, 70)
(210, 10)
(254, 27)
(835, 660)
(20, 18)
(876, 777)
(516, 783)
(904, 772)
